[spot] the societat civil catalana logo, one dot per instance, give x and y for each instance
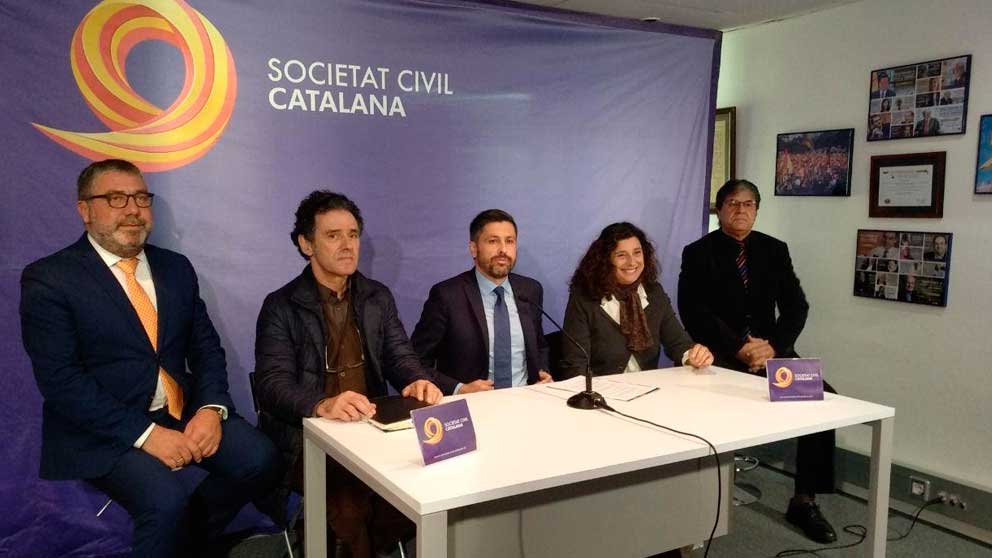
(783, 377)
(433, 431)
(154, 138)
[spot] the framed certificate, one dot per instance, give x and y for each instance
(909, 185)
(724, 151)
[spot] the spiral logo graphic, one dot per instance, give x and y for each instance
(783, 377)
(153, 138)
(433, 431)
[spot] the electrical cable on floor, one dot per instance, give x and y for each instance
(861, 532)
(719, 480)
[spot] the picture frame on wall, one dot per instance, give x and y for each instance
(724, 151)
(907, 185)
(983, 166)
(904, 266)
(814, 163)
(917, 100)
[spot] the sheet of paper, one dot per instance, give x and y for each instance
(907, 186)
(610, 389)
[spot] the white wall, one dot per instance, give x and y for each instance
(931, 364)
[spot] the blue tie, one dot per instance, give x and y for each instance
(502, 375)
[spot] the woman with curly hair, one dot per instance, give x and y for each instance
(618, 311)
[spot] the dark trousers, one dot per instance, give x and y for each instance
(361, 523)
(168, 520)
(814, 452)
(815, 460)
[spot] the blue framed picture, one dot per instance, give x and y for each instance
(983, 167)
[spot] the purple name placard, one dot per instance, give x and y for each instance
(795, 379)
(444, 431)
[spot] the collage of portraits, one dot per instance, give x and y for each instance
(902, 265)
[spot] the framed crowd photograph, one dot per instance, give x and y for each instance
(983, 167)
(916, 100)
(814, 163)
(908, 185)
(724, 151)
(907, 266)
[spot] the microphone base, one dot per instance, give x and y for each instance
(587, 400)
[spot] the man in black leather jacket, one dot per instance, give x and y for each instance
(326, 343)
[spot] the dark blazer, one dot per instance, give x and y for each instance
(716, 309)
(94, 364)
(453, 337)
(598, 333)
(289, 354)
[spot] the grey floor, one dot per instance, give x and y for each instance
(759, 530)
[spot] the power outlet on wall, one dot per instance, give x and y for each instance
(919, 488)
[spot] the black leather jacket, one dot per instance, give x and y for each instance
(289, 354)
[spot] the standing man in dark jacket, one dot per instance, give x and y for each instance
(732, 283)
(480, 340)
(326, 343)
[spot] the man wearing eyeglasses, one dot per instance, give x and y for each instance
(326, 343)
(133, 375)
(733, 281)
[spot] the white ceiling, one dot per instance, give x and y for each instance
(724, 15)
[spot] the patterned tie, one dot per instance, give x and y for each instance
(745, 278)
(149, 319)
(502, 375)
(742, 266)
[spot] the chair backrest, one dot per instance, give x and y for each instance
(254, 395)
(554, 340)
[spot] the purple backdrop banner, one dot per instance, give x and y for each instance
(424, 112)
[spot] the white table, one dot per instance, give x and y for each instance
(579, 475)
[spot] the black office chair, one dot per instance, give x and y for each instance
(275, 505)
(554, 340)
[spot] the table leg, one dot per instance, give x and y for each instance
(432, 535)
(314, 501)
(878, 487)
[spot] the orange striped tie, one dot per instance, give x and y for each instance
(149, 319)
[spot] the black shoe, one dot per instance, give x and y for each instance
(807, 516)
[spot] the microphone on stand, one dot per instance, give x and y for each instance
(587, 399)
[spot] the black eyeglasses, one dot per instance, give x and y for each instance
(747, 204)
(120, 201)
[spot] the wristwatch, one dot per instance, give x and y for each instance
(218, 409)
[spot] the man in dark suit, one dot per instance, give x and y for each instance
(482, 328)
(133, 375)
(732, 282)
(907, 288)
(927, 126)
(939, 251)
(884, 87)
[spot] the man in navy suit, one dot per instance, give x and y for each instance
(133, 375)
(482, 328)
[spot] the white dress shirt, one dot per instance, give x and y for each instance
(143, 274)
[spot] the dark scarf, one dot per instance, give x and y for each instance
(633, 322)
